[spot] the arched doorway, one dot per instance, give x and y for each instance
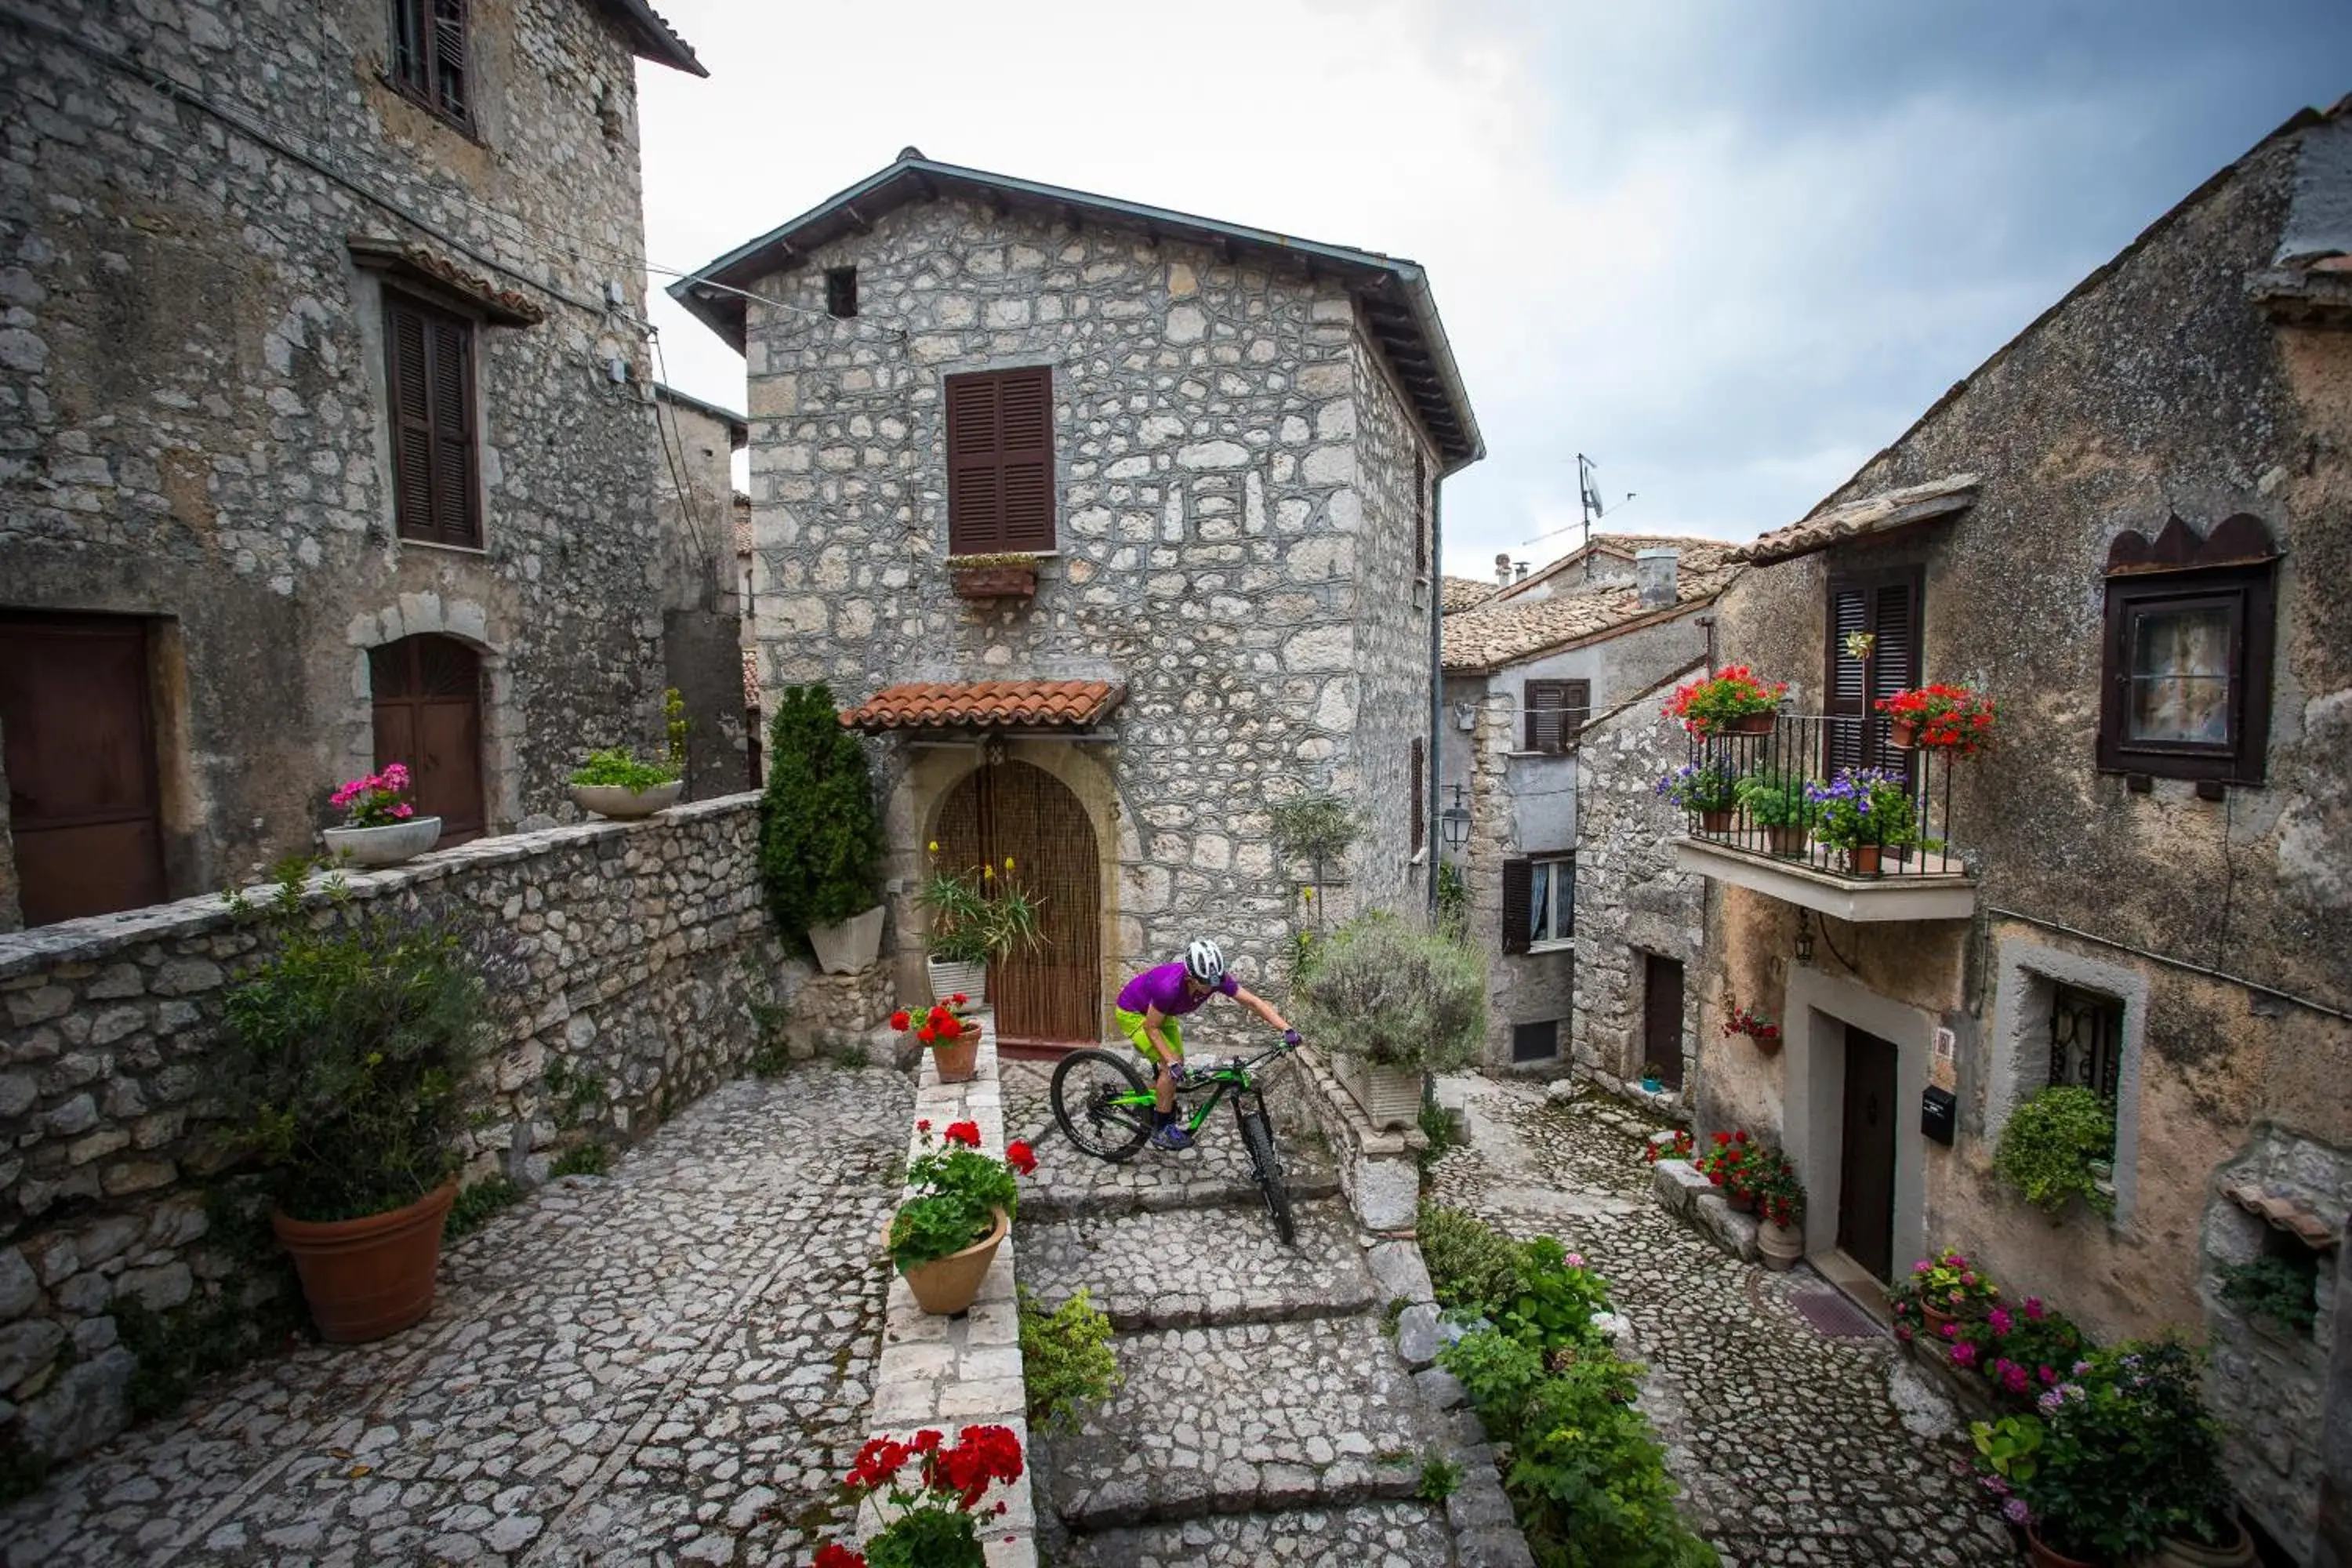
(1052, 996)
(428, 714)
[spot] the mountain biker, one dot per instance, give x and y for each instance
(1147, 1011)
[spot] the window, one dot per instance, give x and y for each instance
(1417, 802)
(1556, 711)
(1001, 461)
(1535, 1042)
(2187, 655)
(1538, 902)
(1419, 513)
(428, 57)
(841, 290)
(2087, 1033)
(430, 354)
(1887, 605)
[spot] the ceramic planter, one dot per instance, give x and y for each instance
(367, 1278)
(1780, 1246)
(2044, 1556)
(385, 846)
(952, 976)
(627, 804)
(1654, 1086)
(2176, 1552)
(851, 945)
(994, 582)
(1715, 822)
(1390, 1097)
(1786, 840)
(960, 1061)
(945, 1285)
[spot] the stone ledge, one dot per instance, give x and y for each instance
(1681, 1190)
(1379, 1171)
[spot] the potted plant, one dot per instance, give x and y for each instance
(1862, 812)
(819, 840)
(952, 1039)
(379, 827)
(1739, 1020)
(1398, 1003)
(1939, 717)
(2049, 1144)
(1709, 789)
(959, 1207)
(2273, 1289)
(1780, 1206)
(1941, 1294)
(1006, 575)
(933, 1521)
(1777, 802)
(1727, 1164)
(1732, 701)
(613, 783)
(345, 1049)
(1677, 1146)
(976, 918)
(1654, 1078)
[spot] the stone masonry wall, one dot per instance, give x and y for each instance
(629, 953)
(1228, 514)
(193, 421)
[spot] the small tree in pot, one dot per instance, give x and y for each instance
(820, 841)
(1396, 1003)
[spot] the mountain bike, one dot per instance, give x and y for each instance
(1104, 1105)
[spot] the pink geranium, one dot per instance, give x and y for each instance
(376, 800)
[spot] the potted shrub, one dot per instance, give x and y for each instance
(1861, 813)
(613, 783)
(1709, 790)
(379, 827)
(1732, 701)
(1777, 802)
(1398, 1003)
(933, 1521)
(1755, 1025)
(1654, 1078)
(1939, 717)
(2049, 1145)
(820, 841)
(976, 918)
(1007, 575)
(1780, 1206)
(952, 1039)
(345, 1052)
(1938, 1297)
(959, 1208)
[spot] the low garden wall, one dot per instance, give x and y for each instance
(628, 961)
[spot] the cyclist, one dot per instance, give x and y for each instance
(1147, 1011)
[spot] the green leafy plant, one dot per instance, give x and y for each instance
(615, 768)
(956, 1191)
(1452, 900)
(1776, 799)
(1315, 826)
(675, 726)
(1472, 1265)
(476, 1202)
(586, 1159)
(977, 915)
(999, 558)
(1437, 1125)
(1557, 1297)
(1066, 1361)
(575, 1093)
(1397, 996)
(2047, 1147)
(2274, 1287)
(1780, 1191)
(819, 840)
(1440, 1478)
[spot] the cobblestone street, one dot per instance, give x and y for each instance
(669, 1366)
(1785, 1441)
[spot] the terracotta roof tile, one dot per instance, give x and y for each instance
(985, 704)
(1498, 632)
(743, 523)
(1886, 510)
(2287, 1211)
(1461, 592)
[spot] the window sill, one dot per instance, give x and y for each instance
(1566, 944)
(479, 551)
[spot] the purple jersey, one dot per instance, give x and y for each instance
(1164, 988)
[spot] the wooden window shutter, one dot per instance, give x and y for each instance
(434, 494)
(1001, 461)
(406, 336)
(1419, 513)
(1419, 803)
(1519, 904)
(1555, 711)
(1889, 607)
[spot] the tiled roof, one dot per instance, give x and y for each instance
(1461, 592)
(985, 704)
(1880, 513)
(1505, 631)
(1624, 546)
(651, 37)
(743, 523)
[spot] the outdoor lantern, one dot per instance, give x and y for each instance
(1804, 937)
(1465, 716)
(1453, 822)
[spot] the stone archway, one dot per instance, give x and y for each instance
(1017, 812)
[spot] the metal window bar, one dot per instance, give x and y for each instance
(2086, 1040)
(1795, 749)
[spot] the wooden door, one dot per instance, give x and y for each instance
(1661, 1016)
(1051, 995)
(428, 714)
(83, 805)
(1866, 1161)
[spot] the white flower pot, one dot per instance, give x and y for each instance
(385, 846)
(950, 976)
(627, 804)
(1390, 1097)
(852, 945)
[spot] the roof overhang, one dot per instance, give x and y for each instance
(427, 269)
(739, 429)
(650, 38)
(1889, 512)
(1654, 615)
(938, 706)
(1393, 296)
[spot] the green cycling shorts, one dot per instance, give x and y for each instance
(1131, 1025)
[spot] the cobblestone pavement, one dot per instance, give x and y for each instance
(666, 1366)
(1786, 1442)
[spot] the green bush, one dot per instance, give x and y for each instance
(820, 841)
(1316, 826)
(2045, 1151)
(588, 1159)
(2275, 1288)
(1066, 1361)
(1397, 996)
(477, 1203)
(1472, 1265)
(1440, 1478)
(615, 768)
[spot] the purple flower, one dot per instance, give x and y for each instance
(2016, 1512)
(2001, 1321)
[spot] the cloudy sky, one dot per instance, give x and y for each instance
(1729, 249)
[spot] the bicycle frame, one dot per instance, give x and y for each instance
(1232, 1079)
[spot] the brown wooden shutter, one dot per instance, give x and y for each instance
(1555, 711)
(1419, 514)
(455, 518)
(1889, 607)
(1419, 800)
(1001, 461)
(431, 365)
(1519, 904)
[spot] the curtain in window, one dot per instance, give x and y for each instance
(1543, 877)
(2181, 677)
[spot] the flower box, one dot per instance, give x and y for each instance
(994, 582)
(1389, 1097)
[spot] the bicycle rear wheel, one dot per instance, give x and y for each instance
(1087, 1088)
(1258, 1137)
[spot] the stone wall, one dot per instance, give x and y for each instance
(694, 495)
(630, 955)
(192, 415)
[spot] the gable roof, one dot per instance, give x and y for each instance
(650, 38)
(1502, 631)
(1392, 295)
(1882, 513)
(1624, 546)
(739, 429)
(1462, 592)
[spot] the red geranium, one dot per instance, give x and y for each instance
(949, 1481)
(964, 1133)
(1942, 718)
(830, 1555)
(1714, 703)
(1021, 1157)
(900, 1019)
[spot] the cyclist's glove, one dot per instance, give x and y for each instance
(1290, 1036)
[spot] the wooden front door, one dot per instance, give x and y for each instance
(81, 766)
(1866, 1161)
(428, 714)
(1661, 1016)
(1051, 995)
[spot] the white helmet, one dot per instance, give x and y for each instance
(1204, 962)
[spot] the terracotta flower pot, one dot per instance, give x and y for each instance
(1786, 840)
(2176, 1552)
(367, 1278)
(1741, 1203)
(1780, 1246)
(1715, 822)
(1753, 725)
(959, 1060)
(1863, 858)
(1899, 733)
(945, 1285)
(2045, 1556)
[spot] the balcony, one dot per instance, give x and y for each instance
(1876, 844)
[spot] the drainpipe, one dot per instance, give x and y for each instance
(1437, 678)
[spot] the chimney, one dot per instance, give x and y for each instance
(1523, 570)
(1503, 570)
(1654, 578)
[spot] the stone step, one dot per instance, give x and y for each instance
(1250, 1419)
(1406, 1534)
(1212, 1174)
(1201, 1267)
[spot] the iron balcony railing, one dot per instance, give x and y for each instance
(1829, 792)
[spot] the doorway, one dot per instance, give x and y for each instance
(1866, 1155)
(1661, 1016)
(428, 714)
(1052, 995)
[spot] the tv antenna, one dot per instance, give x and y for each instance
(1588, 495)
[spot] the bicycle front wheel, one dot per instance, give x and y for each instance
(1258, 1137)
(1102, 1103)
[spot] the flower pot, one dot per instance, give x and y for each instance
(1652, 1086)
(385, 846)
(851, 945)
(1786, 840)
(2045, 1556)
(960, 1061)
(953, 977)
(994, 582)
(1780, 1246)
(1863, 859)
(1390, 1097)
(1715, 822)
(2173, 1552)
(1741, 1203)
(1899, 733)
(367, 1278)
(1753, 725)
(945, 1285)
(627, 804)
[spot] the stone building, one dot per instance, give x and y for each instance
(2129, 526)
(701, 582)
(324, 425)
(1549, 684)
(1218, 451)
